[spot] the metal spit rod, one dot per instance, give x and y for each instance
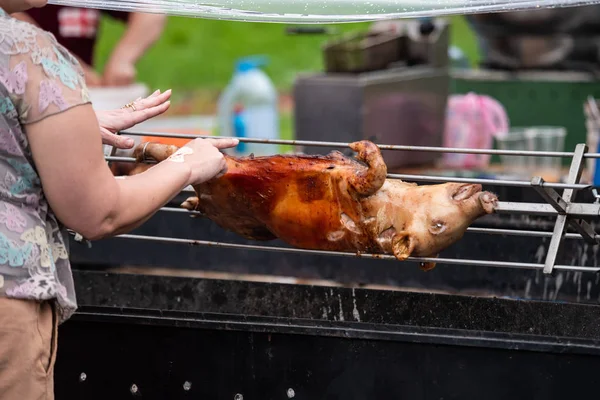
(407, 177)
(489, 231)
(439, 260)
(497, 182)
(476, 263)
(431, 178)
(577, 210)
(381, 146)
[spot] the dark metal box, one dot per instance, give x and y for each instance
(404, 106)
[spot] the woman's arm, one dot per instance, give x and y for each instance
(64, 136)
(143, 30)
(83, 193)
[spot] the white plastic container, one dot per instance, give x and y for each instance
(251, 89)
(534, 138)
(112, 98)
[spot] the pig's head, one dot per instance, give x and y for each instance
(439, 216)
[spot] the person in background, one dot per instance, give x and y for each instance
(53, 176)
(77, 30)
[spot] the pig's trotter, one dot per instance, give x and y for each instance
(153, 151)
(368, 181)
(402, 245)
(191, 203)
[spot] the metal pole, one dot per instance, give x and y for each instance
(476, 263)
(488, 231)
(441, 179)
(561, 220)
(381, 146)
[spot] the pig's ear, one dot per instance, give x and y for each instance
(403, 245)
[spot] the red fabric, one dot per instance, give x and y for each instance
(74, 28)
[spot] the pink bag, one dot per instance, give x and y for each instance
(472, 121)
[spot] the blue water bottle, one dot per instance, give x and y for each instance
(239, 128)
(251, 88)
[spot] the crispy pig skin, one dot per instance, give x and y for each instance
(334, 202)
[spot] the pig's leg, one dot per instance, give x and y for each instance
(191, 203)
(153, 151)
(369, 180)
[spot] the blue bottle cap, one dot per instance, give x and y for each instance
(249, 63)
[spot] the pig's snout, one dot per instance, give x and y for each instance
(488, 201)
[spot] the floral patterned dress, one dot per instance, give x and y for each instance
(38, 78)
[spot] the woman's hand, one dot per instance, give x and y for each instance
(203, 158)
(136, 112)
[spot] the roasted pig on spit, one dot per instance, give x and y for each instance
(333, 202)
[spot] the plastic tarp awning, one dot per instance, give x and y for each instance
(317, 11)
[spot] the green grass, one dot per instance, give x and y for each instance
(199, 54)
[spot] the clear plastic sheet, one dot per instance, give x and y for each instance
(317, 11)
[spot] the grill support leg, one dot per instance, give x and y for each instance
(561, 205)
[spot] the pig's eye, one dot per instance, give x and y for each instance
(437, 227)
